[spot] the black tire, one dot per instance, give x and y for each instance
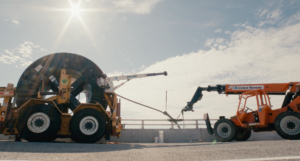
(225, 130)
(87, 119)
(243, 134)
(37, 115)
(287, 125)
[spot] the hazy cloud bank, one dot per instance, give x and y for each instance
(251, 55)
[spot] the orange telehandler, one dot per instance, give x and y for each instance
(285, 120)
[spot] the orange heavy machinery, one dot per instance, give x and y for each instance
(285, 120)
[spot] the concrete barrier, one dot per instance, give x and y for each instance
(148, 135)
(7, 137)
(170, 136)
(181, 136)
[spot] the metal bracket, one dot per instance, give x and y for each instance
(208, 124)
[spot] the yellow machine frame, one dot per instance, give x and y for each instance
(11, 115)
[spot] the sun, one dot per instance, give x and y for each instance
(75, 9)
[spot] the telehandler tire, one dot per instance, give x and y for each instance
(287, 125)
(87, 126)
(225, 130)
(39, 123)
(243, 134)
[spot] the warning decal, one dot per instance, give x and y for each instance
(38, 68)
(64, 81)
(247, 87)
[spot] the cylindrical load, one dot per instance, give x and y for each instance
(84, 78)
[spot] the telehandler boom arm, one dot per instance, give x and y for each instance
(198, 95)
(289, 89)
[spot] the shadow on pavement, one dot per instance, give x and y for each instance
(53, 147)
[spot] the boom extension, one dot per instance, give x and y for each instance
(108, 84)
(133, 76)
(198, 95)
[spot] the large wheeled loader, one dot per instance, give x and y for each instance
(46, 103)
(285, 120)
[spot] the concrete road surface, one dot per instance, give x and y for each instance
(257, 150)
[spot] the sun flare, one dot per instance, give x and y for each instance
(75, 10)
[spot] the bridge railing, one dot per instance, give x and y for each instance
(164, 124)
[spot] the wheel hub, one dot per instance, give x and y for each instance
(88, 125)
(290, 125)
(38, 122)
(224, 130)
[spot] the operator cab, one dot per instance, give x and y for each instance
(262, 102)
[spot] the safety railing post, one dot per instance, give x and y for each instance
(172, 125)
(142, 124)
(197, 127)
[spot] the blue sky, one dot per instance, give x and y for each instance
(197, 42)
(133, 36)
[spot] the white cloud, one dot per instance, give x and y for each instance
(25, 49)
(133, 6)
(262, 12)
(241, 24)
(269, 17)
(20, 55)
(8, 52)
(220, 40)
(208, 42)
(218, 31)
(136, 6)
(252, 55)
(227, 32)
(15, 22)
(9, 59)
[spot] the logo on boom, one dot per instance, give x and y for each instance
(247, 87)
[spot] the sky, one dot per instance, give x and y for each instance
(198, 43)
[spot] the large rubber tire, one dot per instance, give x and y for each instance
(84, 120)
(287, 125)
(243, 134)
(225, 130)
(39, 123)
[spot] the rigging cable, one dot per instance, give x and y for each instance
(165, 113)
